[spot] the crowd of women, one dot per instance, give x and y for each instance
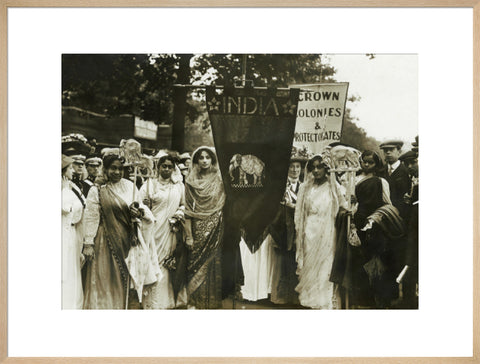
(157, 243)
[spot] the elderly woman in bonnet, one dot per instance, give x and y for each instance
(166, 197)
(114, 243)
(204, 201)
(72, 259)
(319, 199)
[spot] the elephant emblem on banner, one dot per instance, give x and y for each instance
(246, 171)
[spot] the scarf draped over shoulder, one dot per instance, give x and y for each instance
(204, 193)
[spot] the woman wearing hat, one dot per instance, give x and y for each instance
(165, 195)
(114, 244)
(319, 201)
(204, 200)
(72, 210)
(282, 230)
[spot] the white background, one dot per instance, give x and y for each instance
(443, 324)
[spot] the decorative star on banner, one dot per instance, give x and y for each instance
(214, 104)
(289, 108)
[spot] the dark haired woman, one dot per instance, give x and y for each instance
(319, 200)
(378, 224)
(165, 195)
(204, 200)
(111, 231)
(72, 210)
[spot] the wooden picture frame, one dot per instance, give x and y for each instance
(6, 4)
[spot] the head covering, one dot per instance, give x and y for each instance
(299, 155)
(204, 193)
(176, 174)
(415, 145)
(109, 159)
(392, 144)
(66, 161)
(110, 151)
(407, 156)
(301, 208)
(78, 159)
(184, 156)
(93, 160)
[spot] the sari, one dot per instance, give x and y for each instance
(167, 200)
(378, 226)
(315, 214)
(204, 200)
(116, 266)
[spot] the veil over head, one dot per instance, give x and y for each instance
(336, 193)
(176, 174)
(204, 193)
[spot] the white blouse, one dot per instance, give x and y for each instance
(124, 190)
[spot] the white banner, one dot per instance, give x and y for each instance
(320, 112)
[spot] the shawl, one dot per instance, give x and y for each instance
(388, 218)
(118, 226)
(204, 194)
(337, 198)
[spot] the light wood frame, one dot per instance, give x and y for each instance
(5, 4)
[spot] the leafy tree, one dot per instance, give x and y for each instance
(272, 70)
(115, 84)
(142, 85)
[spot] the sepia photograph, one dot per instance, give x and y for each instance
(239, 181)
(242, 179)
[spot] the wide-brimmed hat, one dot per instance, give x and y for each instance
(300, 155)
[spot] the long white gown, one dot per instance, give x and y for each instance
(316, 248)
(167, 198)
(72, 210)
(257, 270)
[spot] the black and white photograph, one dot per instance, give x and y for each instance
(239, 181)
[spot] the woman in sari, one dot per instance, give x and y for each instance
(378, 224)
(72, 210)
(114, 245)
(165, 195)
(204, 200)
(319, 200)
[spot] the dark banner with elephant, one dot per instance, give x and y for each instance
(253, 131)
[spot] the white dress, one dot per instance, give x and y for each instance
(316, 248)
(167, 198)
(257, 270)
(72, 210)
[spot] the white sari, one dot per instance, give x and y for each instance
(317, 208)
(167, 199)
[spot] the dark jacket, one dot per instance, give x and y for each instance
(399, 182)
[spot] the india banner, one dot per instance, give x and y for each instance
(321, 108)
(253, 132)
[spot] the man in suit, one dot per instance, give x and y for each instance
(410, 280)
(396, 175)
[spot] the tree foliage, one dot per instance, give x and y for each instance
(272, 70)
(142, 84)
(116, 84)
